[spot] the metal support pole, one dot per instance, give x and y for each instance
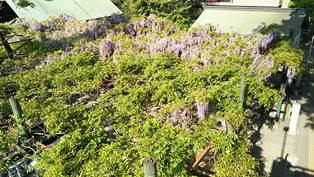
(278, 109)
(309, 55)
(150, 167)
(17, 111)
(242, 89)
(16, 108)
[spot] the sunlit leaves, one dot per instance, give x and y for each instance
(234, 155)
(123, 89)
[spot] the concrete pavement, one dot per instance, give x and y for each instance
(305, 148)
(285, 152)
(288, 154)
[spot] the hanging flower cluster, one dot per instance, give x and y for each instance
(150, 36)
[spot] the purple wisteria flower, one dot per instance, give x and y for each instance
(242, 52)
(201, 40)
(258, 39)
(178, 48)
(290, 75)
(38, 27)
(181, 116)
(219, 30)
(106, 49)
(206, 62)
(238, 50)
(231, 40)
(184, 114)
(191, 53)
(140, 24)
(130, 29)
(196, 69)
(256, 60)
(22, 23)
(266, 42)
(203, 32)
(165, 42)
(186, 55)
(175, 117)
(202, 109)
(254, 51)
(67, 18)
(115, 18)
(269, 62)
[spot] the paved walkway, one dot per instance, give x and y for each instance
(284, 152)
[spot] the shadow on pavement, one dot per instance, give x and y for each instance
(307, 94)
(282, 168)
(303, 172)
(259, 118)
(306, 90)
(279, 167)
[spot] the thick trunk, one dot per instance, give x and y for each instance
(6, 45)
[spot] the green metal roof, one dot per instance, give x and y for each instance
(243, 19)
(79, 9)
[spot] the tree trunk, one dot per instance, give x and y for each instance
(6, 45)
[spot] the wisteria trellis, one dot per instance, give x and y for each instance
(208, 45)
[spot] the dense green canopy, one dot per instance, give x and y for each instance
(122, 90)
(183, 12)
(303, 4)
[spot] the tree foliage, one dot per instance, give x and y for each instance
(303, 4)
(122, 90)
(183, 13)
(23, 3)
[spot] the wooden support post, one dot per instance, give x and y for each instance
(150, 167)
(279, 104)
(46, 148)
(199, 157)
(242, 89)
